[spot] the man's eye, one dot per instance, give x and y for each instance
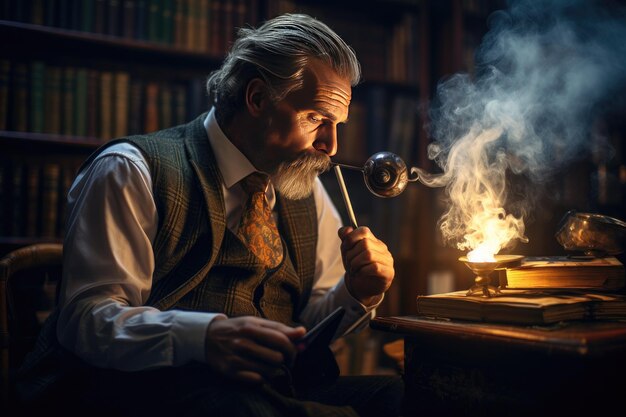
(314, 119)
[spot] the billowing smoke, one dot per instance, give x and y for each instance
(545, 70)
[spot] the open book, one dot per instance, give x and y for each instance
(565, 272)
(524, 306)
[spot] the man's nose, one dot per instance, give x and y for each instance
(327, 141)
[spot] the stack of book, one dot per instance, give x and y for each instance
(541, 290)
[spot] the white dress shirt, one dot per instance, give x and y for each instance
(108, 263)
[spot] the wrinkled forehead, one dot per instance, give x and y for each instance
(323, 87)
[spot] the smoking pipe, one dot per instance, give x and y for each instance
(385, 174)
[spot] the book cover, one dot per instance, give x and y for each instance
(565, 272)
(524, 306)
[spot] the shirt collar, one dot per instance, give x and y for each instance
(233, 165)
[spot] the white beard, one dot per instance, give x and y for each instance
(295, 179)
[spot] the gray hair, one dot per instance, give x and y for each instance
(277, 52)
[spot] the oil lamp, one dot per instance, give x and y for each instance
(482, 270)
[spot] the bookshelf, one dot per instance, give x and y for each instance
(140, 65)
(149, 59)
(110, 67)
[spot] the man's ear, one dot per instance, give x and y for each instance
(256, 96)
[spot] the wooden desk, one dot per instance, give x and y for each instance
(480, 369)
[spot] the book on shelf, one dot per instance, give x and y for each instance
(69, 95)
(37, 80)
(524, 306)
(52, 100)
(106, 106)
(565, 272)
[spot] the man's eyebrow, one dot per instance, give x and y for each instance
(329, 115)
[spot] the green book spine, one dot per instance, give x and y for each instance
(155, 18)
(167, 28)
(80, 103)
(69, 93)
(37, 77)
(87, 16)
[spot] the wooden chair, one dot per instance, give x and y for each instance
(28, 292)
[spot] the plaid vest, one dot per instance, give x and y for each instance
(199, 264)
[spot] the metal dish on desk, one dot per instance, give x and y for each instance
(593, 234)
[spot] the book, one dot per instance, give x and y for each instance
(69, 95)
(121, 87)
(37, 80)
(565, 272)
(105, 124)
(151, 107)
(81, 102)
(528, 307)
(52, 100)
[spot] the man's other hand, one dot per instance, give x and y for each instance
(249, 349)
(368, 264)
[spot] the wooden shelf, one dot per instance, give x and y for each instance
(53, 41)
(30, 138)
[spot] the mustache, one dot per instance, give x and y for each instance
(312, 161)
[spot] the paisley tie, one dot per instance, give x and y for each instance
(257, 229)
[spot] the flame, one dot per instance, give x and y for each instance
(476, 218)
